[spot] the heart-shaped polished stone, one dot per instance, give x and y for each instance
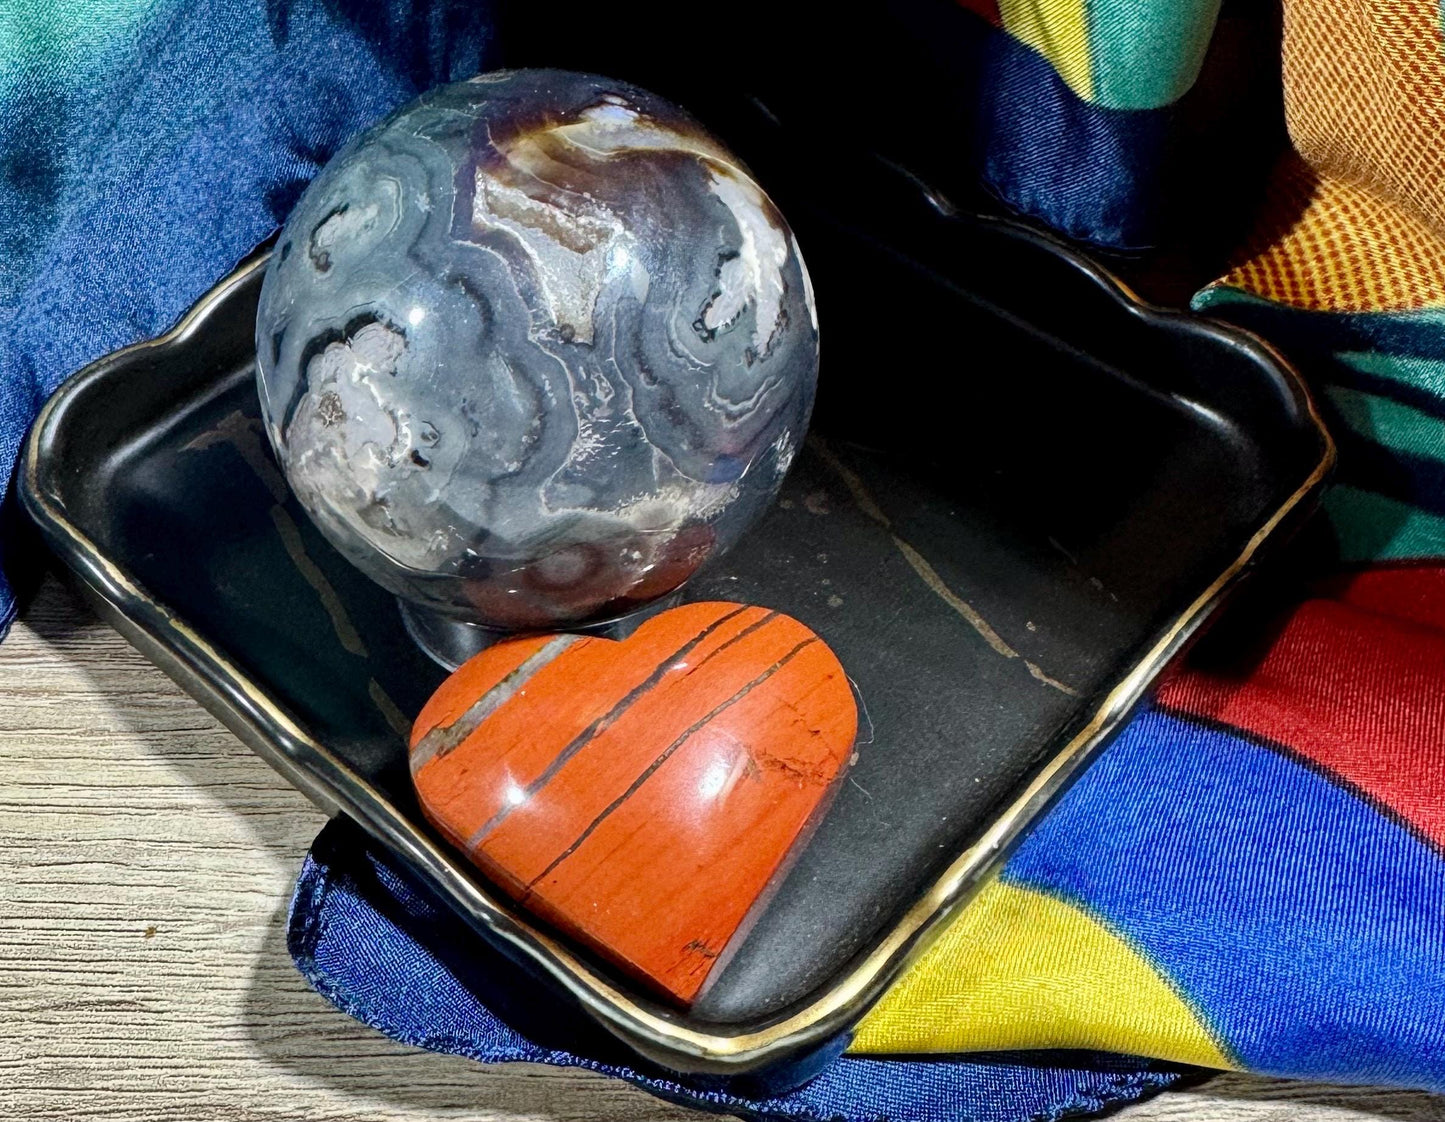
(640, 795)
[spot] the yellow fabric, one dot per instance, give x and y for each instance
(1058, 30)
(1021, 969)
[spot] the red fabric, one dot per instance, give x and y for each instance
(1354, 683)
(1414, 592)
(988, 9)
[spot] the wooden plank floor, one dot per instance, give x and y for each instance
(145, 861)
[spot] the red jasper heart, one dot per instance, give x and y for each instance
(640, 795)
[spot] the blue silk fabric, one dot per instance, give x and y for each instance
(381, 947)
(146, 146)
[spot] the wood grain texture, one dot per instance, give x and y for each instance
(145, 861)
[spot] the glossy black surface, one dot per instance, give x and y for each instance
(1020, 482)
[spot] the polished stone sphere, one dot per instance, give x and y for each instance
(534, 348)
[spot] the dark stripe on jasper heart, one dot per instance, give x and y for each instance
(602, 723)
(667, 752)
(443, 739)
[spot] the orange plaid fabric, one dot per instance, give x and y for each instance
(1327, 245)
(1365, 97)
(1355, 220)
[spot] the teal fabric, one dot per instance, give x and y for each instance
(1146, 54)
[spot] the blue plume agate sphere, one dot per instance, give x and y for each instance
(534, 348)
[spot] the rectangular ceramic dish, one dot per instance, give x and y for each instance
(1023, 494)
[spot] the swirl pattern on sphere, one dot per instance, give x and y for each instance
(534, 348)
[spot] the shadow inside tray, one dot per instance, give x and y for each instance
(1019, 485)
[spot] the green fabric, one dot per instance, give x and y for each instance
(1147, 53)
(1379, 378)
(1408, 370)
(1371, 527)
(1399, 427)
(52, 36)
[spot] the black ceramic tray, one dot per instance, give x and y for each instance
(1025, 491)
